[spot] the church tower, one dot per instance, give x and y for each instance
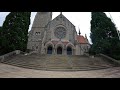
(36, 34)
(42, 19)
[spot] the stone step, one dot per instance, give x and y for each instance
(58, 62)
(23, 63)
(60, 68)
(52, 66)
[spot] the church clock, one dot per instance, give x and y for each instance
(60, 32)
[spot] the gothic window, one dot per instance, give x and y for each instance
(37, 33)
(49, 50)
(59, 50)
(60, 32)
(69, 51)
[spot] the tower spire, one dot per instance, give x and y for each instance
(85, 36)
(79, 31)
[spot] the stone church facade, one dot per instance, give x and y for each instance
(57, 36)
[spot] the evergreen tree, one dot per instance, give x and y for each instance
(0, 31)
(0, 40)
(103, 34)
(15, 31)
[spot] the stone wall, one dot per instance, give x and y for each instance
(61, 21)
(42, 19)
(81, 49)
(111, 60)
(3, 57)
(37, 32)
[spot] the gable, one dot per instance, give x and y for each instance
(62, 18)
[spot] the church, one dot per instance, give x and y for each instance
(57, 36)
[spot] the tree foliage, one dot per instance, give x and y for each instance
(0, 40)
(0, 31)
(103, 35)
(15, 31)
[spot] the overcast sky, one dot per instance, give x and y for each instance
(79, 19)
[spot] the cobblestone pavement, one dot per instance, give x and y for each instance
(8, 71)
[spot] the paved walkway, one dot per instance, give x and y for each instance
(8, 71)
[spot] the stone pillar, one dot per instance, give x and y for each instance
(73, 51)
(64, 51)
(54, 51)
(45, 50)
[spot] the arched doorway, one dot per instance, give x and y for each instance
(59, 50)
(69, 51)
(49, 50)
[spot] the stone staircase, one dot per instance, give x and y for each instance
(58, 62)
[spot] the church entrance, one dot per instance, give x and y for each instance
(69, 51)
(49, 50)
(59, 50)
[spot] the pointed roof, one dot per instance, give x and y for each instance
(81, 39)
(60, 12)
(79, 31)
(61, 15)
(85, 36)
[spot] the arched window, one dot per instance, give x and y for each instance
(49, 50)
(69, 51)
(37, 33)
(59, 50)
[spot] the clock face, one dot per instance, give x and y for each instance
(60, 32)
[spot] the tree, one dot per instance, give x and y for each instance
(15, 31)
(103, 34)
(0, 40)
(0, 31)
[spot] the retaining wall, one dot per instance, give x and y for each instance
(3, 57)
(111, 60)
